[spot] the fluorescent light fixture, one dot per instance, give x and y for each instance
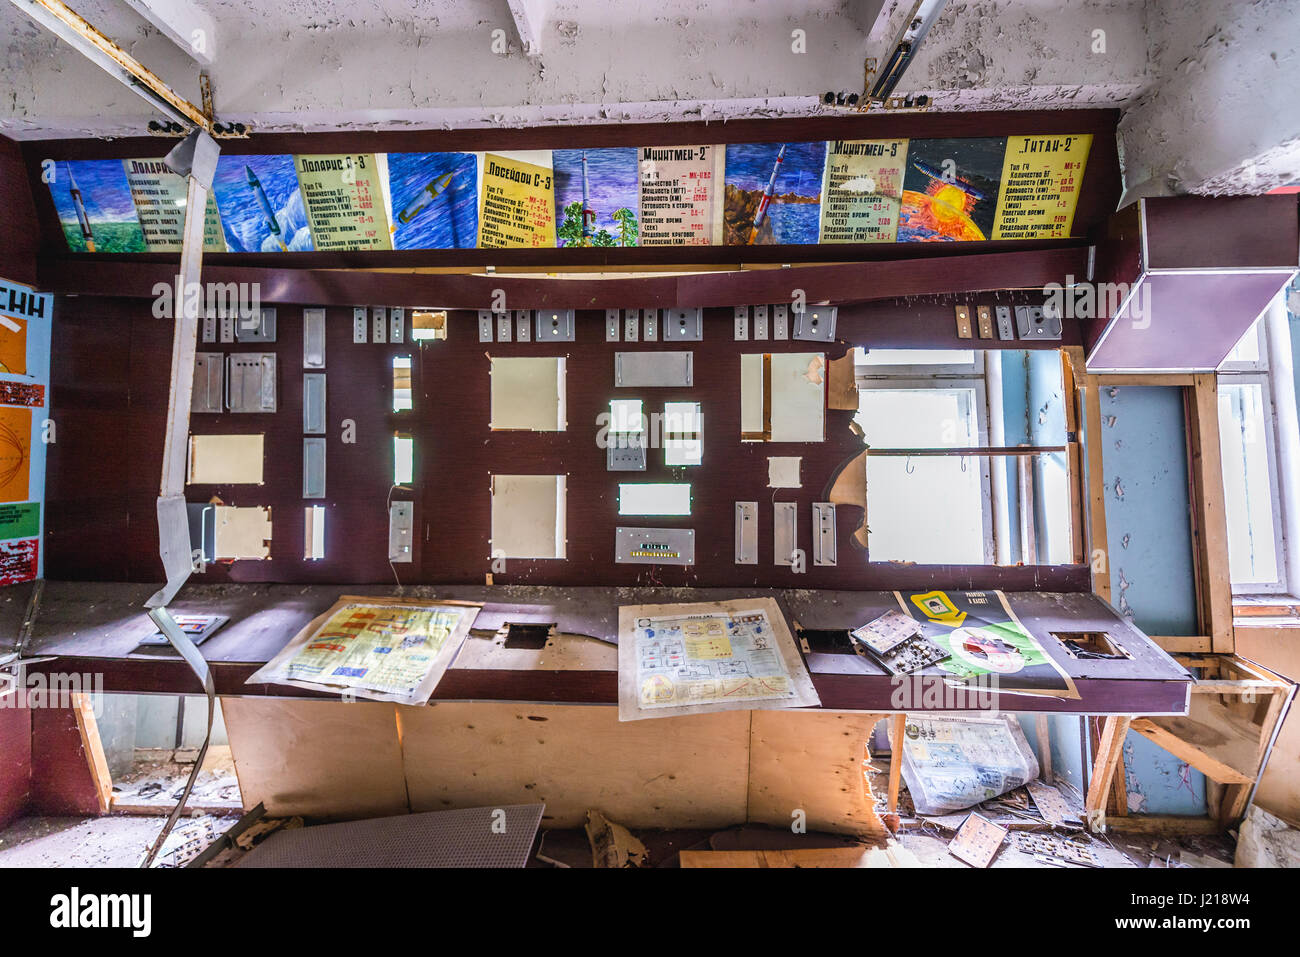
(654, 498)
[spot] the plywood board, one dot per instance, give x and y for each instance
(225, 460)
(811, 761)
(528, 393)
(242, 532)
(683, 772)
(528, 516)
(316, 758)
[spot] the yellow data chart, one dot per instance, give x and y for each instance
(13, 345)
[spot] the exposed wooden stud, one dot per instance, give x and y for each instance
(1210, 522)
(84, 711)
(1109, 753)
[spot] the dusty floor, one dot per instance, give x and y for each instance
(156, 780)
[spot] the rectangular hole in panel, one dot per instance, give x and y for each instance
(403, 459)
(654, 498)
(402, 395)
(225, 460)
(313, 533)
(532, 636)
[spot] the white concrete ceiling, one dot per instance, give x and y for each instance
(288, 65)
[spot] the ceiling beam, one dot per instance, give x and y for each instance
(182, 22)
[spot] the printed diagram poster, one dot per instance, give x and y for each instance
(261, 204)
(773, 193)
(517, 203)
(95, 207)
(950, 190)
(159, 196)
(434, 200)
(681, 195)
(1040, 185)
(708, 656)
(862, 190)
(385, 649)
(984, 637)
(596, 197)
(15, 453)
(344, 196)
(20, 520)
(13, 346)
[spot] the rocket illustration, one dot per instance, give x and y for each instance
(767, 196)
(82, 219)
(432, 191)
(936, 174)
(588, 214)
(264, 204)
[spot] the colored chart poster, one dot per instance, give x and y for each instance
(95, 208)
(950, 190)
(773, 193)
(261, 204)
(15, 453)
(681, 195)
(1040, 186)
(386, 649)
(984, 637)
(159, 196)
(517, 205)
(13, 346)
(708, 656)
(862, 190)
(435, 200)
(596, 197)
(344, 196)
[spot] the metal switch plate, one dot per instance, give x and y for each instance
(816, 324)
(654, 546)
(313, 403)
(396, 325)
(313, 338)
(379, 315)
(484, 325)
(625, 453)
(505, 325)
(741, 315)
(250, 382)
(209, 328)
(650, 324)
(612, 322)
(401, 532)
(523, 326)
(785, 532)
(760, 322)
(963, 321)
(1006, 330)
(683, 325)
(746, 533)
(631, 325)
(359, 324)
(823, 517)
(781, 322)
(1034, 322)
(259, 328)
(654, 369)
(313, 468)
(227, 327)
(554, 325)
(984, 321)
(209, 382)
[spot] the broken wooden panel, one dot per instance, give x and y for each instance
(783, 397)
(811, 761)
(242, 532)
(319, 759)
(689, 773)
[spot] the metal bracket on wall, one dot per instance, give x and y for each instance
(815, 324)
(612, 324)
(359, 320)
(554, 325)
(485, 325)
(683, 325)
(823, 518)
(746, 533)
(401, 532)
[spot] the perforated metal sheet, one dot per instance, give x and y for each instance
(469, 837)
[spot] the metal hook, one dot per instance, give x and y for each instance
(908, 467)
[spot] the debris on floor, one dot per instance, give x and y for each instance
(613, 845)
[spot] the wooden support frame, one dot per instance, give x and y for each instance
(1109, 752)
(1209, 514)
(96, 761)
(1088, 411)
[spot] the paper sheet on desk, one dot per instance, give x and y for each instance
(384, 649)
